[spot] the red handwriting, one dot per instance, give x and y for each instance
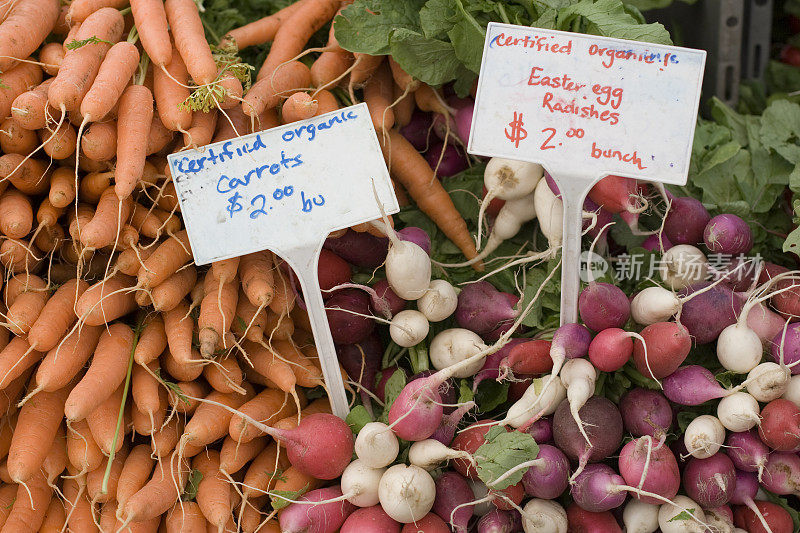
(517, 132)
(558, 82)
(571, 107)
(611, 153)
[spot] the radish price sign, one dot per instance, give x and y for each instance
(585, 107)
(285, 189)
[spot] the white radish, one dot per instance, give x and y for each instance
(453, 346)
(550, 212)
(738, 412)
(640, 517)
(654, 304)
(793, 391)
(439, 302)
(670, 518)
(408, 269)
(768, 381)
(409, 328)
(360, 483)
(430, 453)
(542, 395)
(376, 445)
(406, 493)
(704, 436)
(544, 516)
(509, 179)
(739, 349)
(579, 377)
(683, 265)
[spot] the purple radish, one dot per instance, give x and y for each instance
(481, 308)
(320, 518)
(416, 235)
(686, 221)
(370, 520)
(603, 427)
(710, 481)
(344, 310)
(452, 492)
(745, 492)
(790, 345)
(359, 248)
(463, 121)
(596, 489)
(708, 313)
(549, 477)
(728, 234)
(418, 130)
(491, 366)
(782, 473)
(653, 244)
(604, 217)
(646, 412)
(361, 361)
(497, 521)
(603, 306)
(447, 390)
(452, 161)
(570, 341)
(741, 273)
(747, 451)
(651, 467)
(692, 385)
(498, 332)
(447, 430)
(542, 430)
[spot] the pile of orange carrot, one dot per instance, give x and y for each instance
(115, 349)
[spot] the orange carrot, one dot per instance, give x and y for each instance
(295, 481)
(279, 327)
(331, 63)
(201, 130)
(378, 94)
(129, 261)
(214, 492)
(363, 68)
(169, 293)
(216, 314)
(185, 517)
(103, 422)
(80, 66)
(25, 28)
(262, 30)
(165, 440)
(257, 280)
(106, 372)
(152, 340)
(283, 298)
(411, 169)
(267, 92)
(133, 127)
(66, 359)
(268, 406)
(18, 256)
(298, 106)
(234, 455)
(115, 71)
(249, 320)
(78, 508)
(326, 102)
(191, 389)
(83, 452)
(56, 317)
(30, 505)
(158, 138)
(169, 94)
(183, 370)
(30, 177)
(159, 494)
(106, 300)
(38, 423)
(151, 22)
(79, 10)
(14, 139)
(61, 143)
(178, 327)
(264, 471)
(308, 374)
(99, 142)
(226, 376)
(170, 255)
(103, 229)
(56, 460)
(28, 305)
(16, 214)
(54, 518)
(210, 422)
(135, 473)
(30, 108)
(187, 30)
(51, 54)
(145, 389)
(94, 479)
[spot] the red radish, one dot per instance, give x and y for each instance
(780, 425)
(469, 440)
(710, 481)
(417, 411)
(508, 498)
(348, 316)
(361, 361)
(392, 300)
(494, 207)
(779, 520)
(359, 248)
(317, 518)
(611, 349)
(646, 412)
(617, 194)
(492, 366)
(430, 523)
(370, 520)
(667, 345)
(744, 492)
(332, 271)
(530, 357)
(651, 467)
(782, 473)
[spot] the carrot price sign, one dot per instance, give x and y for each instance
(285, 189)
(585, 107)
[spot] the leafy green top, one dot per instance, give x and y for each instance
(502, 451)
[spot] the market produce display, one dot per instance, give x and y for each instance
(141, 392)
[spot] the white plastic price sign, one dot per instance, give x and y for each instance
(285, 190)
(585, 107)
